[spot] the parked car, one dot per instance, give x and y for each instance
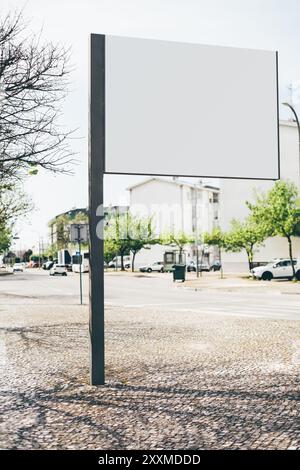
(58, 269)
(48, 265)
(116, 262)
(277, 269)
(215, 266)
(201, 266)
(158, 266)
(33, 264)
(18, 267)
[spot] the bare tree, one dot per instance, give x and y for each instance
(14, 203)
(33, 83)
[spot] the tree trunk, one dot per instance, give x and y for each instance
(201, 261)
(220, 259)
(122, 262)
(250, 258)
(133, 259)
(180, 255)
(291, 255)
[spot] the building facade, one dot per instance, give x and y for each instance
(60, 224)
(175, 206)
(234, 193)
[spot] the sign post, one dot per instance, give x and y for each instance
(96, 213)
(79, 234)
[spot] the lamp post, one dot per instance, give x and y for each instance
(298, 126)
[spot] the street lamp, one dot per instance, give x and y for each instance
(298, 125)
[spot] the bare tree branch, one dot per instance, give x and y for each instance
(34, 82)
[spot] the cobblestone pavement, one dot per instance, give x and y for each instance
(174, 380)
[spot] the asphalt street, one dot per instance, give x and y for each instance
(149, 292)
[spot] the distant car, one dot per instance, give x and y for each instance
(116, 262)
(33, 264)
(215, 266)
(48, 265)
(158, 266)
(277, 269)
(18, 267)
(59, 269)
(201, 266)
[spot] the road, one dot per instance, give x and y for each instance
(149, 292)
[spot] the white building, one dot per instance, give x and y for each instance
(177, 206)
(234, 193)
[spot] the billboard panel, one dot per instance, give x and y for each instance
(191, 110)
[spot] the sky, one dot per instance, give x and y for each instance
(256, 24)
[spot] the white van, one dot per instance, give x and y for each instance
(82, 264)
(116, 262)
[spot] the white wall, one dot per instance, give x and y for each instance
(171, 206)
(156, 198)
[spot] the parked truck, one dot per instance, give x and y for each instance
(64, 258)
(81, 263)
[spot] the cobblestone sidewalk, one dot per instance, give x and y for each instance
(173, 381)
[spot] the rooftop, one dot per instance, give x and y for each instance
(176, 181)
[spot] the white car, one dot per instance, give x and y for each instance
(157, 266)
(58, 269)
(116, 262)
(277, 269)
(18, 267)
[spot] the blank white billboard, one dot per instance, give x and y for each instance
(190, 110)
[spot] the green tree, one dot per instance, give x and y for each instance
(60, 227)
(178, 239)
(27, 254)
(5, 239)
(246, 235)
(141, 235)
(216, 238)
(14, 203)
(278, 211)
(117, 232)
(110, 248)
(51, 251)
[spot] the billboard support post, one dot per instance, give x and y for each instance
(96, 177)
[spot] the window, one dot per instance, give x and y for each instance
(215, 197)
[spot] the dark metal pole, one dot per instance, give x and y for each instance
(96, 172)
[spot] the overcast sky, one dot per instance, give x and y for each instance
(261, 24)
